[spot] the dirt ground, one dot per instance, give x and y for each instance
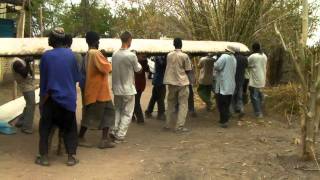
(249, 149)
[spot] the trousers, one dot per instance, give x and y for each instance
(55, 115)
(204, 92)
(27, 116)
(177, 95)
(124, 107)
(223, 103)
(256, 97)
(158, 96)
(137, 107)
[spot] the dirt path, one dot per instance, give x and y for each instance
(247, 150)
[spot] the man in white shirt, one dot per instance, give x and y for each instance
(176, 77)
(257, 66)
(124, 65)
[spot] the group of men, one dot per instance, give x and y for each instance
(230, 74)
(61, 69)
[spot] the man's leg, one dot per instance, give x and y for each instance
(202, 93)
(245, 91)
(126, 115)
(191, 107)
(183, 96)
(118, 108)
(255, 100)
(68, 125)
(28, 113)
(160, 101)
(45, 126)
(152, 101)
(172, 101)
(239, 101)
(106, 124)
(219, 99)
(227, 99)
(137, 108)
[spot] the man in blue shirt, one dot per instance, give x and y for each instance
(58, 96)
(225, 67)
(159, 89)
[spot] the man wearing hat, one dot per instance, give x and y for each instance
(58, 96)
(225, 67)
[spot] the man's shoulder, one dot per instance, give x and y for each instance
(92, 51)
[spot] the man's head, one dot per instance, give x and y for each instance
(256, 47)
(232, 49)
(126, 39)
(68, 40)
(177, 42)
(56, 37)
(92, 39)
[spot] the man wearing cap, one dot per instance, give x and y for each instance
(58, 96)
(99, 110)
(225, 68)
(177, 80)
(237, 98)
(205, 80)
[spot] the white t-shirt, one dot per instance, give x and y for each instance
(124, 64)
(257, 67)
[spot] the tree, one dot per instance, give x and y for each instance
(306, 62)
(95, 17)
(147, 20)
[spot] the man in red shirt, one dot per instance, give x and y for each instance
(140, 82)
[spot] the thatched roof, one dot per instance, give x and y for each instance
(36, 46)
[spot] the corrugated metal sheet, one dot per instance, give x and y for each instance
(7, 28)
(36, 46)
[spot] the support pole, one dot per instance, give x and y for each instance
(20, 34)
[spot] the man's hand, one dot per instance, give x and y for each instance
(28, 59)
(104, 53)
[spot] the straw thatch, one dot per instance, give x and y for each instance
(36, 46)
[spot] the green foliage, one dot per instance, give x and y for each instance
(96, 18)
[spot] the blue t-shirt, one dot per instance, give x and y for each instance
(58, 77)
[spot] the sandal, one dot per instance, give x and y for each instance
(42, 160)
(106, 144)
(72, 161)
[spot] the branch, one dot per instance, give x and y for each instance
(293, 59)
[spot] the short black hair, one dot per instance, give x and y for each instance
(125, 37)
(92, 37)
(68, 40)
(256, 47)
(55, 41)
(177, 42)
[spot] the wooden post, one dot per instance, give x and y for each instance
(20, 34)
(41, 22)
(30, 19)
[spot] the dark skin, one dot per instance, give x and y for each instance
(19, 68)
(83, 130)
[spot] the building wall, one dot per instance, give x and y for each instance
(5, 70)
